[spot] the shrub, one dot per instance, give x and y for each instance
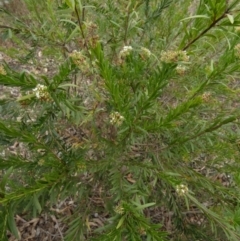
(136, 120)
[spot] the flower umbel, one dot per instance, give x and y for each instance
(41, 162)
(182, 56)
(145, 53)
(206, 96)
(119, 209)
(174, 56)
(126, 50)
(181, 70)
(41, 92)
(181, 189)
(116, 118)
(81, 167)
(80, 60)
(2, 70)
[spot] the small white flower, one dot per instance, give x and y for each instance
(183, 56)
(145, 52)
(181, 69)
(206, 96)
(41, 92)
(119, 209)
(80, 60)
(174, 56)
(126, 50)
(19, 119)
(181, 189)
(116, 118)
(41, 162)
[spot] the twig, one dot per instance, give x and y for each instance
(56, 221)
(172, 213)
(207, 29)
(8, 27)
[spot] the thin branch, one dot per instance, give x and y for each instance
(210, 129)
(8, 27)
(79, 23)
(213, 24)
(82, 33)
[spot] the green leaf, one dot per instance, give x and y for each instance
(12, 224)
(73, 33)
(227, 227)
(71, 4)
(142, 130)
(196, 16)
(3, 223)
(141, 207)
(120, 222)
(36, 203)
(10, 33)
(231, 18)
(5, 179)
(154, 15)
(79, 4)
(69, 21)
(26, 97)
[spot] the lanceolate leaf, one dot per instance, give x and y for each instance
(12, 223)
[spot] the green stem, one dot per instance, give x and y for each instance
(207, 130)
(80, 24)
(126, 27)
(83, 35)
(213, 24)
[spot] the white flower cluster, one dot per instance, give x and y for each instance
(80, 60)
(119, 209)
(41, 162)
(126, 50)
(41, 92)
(77, 57)
(206, 96)
(181, 189)
(116, 118)
(181, 69)
(174, 56)
(145, 52)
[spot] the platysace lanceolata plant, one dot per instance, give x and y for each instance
(134, 121)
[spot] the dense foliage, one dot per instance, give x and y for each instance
(135, 117)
